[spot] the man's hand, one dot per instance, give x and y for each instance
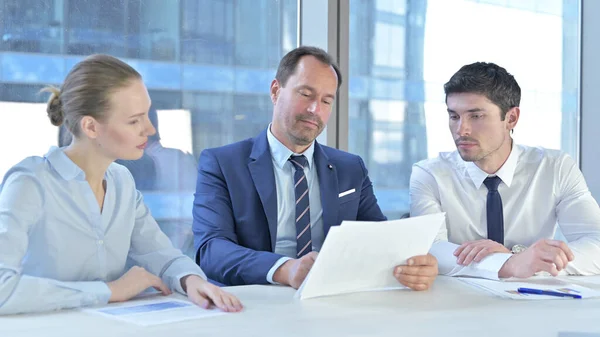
(546, 255)
(293, 272)
(133, 282)
(419, 272)
(476, 250)
(205, 294)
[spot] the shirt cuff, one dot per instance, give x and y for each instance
(490, 266)
(487, 268)
(276, 266)
(179, 269)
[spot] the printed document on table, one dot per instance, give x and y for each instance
(154, 311)
(361, 256)
(592, 281)
(508, 288)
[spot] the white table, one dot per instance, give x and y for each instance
(450, 308)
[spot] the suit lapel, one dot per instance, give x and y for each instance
(261, 170)
(328, 186)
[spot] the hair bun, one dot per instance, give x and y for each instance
(54, 107)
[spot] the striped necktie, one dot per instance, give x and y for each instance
(303, 237)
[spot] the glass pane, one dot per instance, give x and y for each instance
(207, 64)
(96, 27)
(31, 26)
(397, 106)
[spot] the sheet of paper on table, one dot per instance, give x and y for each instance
(154, 311)
(508, 288)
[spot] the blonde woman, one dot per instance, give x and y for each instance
(72, 221)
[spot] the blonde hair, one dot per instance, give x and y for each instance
(86, 90)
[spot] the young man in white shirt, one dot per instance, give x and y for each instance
(503, 201)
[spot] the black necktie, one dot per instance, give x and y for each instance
(495, 217)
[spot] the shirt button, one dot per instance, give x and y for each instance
(100, 242)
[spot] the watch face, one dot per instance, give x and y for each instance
(516, 249)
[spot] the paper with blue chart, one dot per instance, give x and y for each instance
(154, 311)
(509, 288)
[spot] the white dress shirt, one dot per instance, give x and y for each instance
(286, 201)
(58, 249)
(541, 189)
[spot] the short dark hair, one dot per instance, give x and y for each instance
(487, 79)
(288, 64)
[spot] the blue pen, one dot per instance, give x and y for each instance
(546, 292)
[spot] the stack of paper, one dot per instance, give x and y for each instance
(361, 256)
(508, 288)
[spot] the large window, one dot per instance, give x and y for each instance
(397, 114)
(207, 64)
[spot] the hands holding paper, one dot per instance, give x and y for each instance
(367, 256)
(419, 272)
(550, 256)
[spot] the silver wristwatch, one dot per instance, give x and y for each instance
(516, 249)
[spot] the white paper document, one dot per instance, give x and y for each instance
(361, 256)
(154, 311)
(591, 281)
(509, 288)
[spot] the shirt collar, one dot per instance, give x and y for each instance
(62, 164)
(506, 172)
(281, 153)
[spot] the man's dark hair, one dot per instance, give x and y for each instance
(288, 64)
(489, 80)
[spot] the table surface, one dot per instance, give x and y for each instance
(450, 308)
